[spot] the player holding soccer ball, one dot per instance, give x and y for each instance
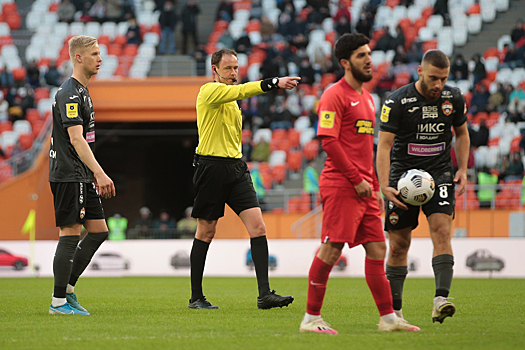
(348, 185)
(417, 119)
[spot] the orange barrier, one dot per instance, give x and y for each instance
(147, 100)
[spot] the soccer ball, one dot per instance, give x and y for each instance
(416, 187)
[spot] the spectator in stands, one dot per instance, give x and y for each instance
(517, 101)
(189, 25)
(479, 100)
(33, 74)
(342, 26)
(6, 77)
(98, 11)
(459, 65)
(497, 99)
(280, 117)
(267, 29)
(479, 137)
(168, 22)
(286, 6)
(386, 42)
(479, 73)
(300, 42)
(364, 25)
(518, 33)
(4, 106)
(200, 59)
(243, 44)
(299, 25)
(224, 11)
(85, 15)
(511, 59)
(311, 182)
(258, 184)
(165, 225)
(114, 10)
(400, 57)
(414, 54)
(65, 69)
(261, 151)
(306, 72)
(226, 41)
(515, 168)
(117, 225)
(400, 38)
(144, 224)
(133, 33)
(66, 11)
(441, 8)
(128, 9)
(52, 76)
(342, 11)
(285, 26)
(247, 148)
(256, 11)
(187, 226)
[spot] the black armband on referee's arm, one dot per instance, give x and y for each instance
(269, 84)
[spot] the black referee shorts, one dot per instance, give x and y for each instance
(219, 181)
(76, 202)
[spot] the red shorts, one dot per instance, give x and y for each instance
(350, 219)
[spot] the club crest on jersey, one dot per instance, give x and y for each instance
(72, 110)
(364, 127)
(394, 218)
(385, 113)
(327, 119)
(82, 213)
(447, 108)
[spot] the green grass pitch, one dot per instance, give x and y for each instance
(152, 313)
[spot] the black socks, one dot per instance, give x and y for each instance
(443, 272)
(396, 275)
(84, 252)
(62, 263)
(260, 261)
(199, 250)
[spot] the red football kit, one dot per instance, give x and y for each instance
(346, 128)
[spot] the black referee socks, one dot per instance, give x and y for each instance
(260, 261)
(62, 263)
(199, 250)
(85, 251)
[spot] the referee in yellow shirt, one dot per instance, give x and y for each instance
(222, 177)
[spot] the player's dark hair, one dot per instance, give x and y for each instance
(216, 57)
(347, 44)
(436, 58)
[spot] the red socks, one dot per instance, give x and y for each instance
(379, 285)
(317, 279)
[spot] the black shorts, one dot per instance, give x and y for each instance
(443, 201)
(219, 181)
(76, 202)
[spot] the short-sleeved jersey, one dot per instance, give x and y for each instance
(72, 106)
(349, 117)
(219, 118)
(423, 129)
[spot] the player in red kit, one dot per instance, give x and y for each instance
(349, 188)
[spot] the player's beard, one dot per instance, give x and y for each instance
(359, 75)
(427, 92)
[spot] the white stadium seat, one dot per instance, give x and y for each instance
(262, 134)
(474, 23)
(22, 127)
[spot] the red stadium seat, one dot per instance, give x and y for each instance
(401, 79)
(155, 28)
(242, 5)
(121, 40)
(405, 24)
(430, 45)
(294, 160)
(6, 40)
(327, 79)
(474, 9)
(131, 50)
(253, 26)
(331, 36)
(104, 40)
(311, 149)
(6, 126)
(9, 8)
(39, 94)
(115, 49)
(392, 3)
(19, 73)
(54, 7)
(246, 135)
(25, 141)
(491, 52)
(44, 61)
(294, 136)
(279, 134)
(427, 12)
(279, 173)
(14, 21)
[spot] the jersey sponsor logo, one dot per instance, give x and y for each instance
(393, 218)
(415, 149)
(447, 107)
(389, 101)
(72, 110)
(364, 127)
(327, 119)
(431, 128)
(413, 109)
(408, 100)
(429, 112)
(385, 113)
(354, 103)
(90, 136)
(446, 94)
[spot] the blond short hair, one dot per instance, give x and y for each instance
(79, 43)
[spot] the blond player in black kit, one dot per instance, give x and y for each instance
(77, 180)
(222, 177)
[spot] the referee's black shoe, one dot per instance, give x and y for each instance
(201, 303)
(272, 300)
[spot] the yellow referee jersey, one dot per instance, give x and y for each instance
(219, 118)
